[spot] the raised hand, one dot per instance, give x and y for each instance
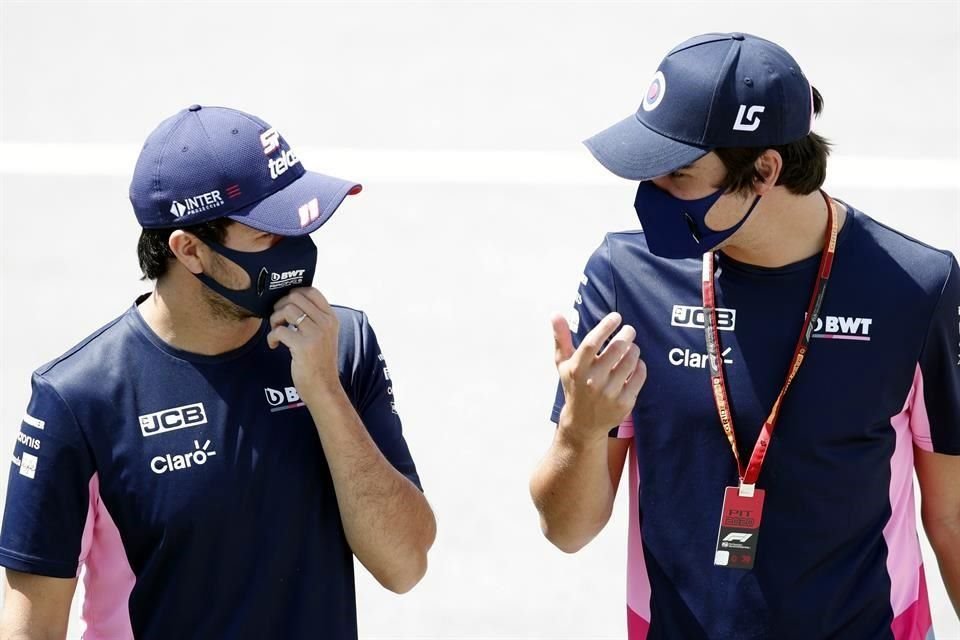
(600, 387)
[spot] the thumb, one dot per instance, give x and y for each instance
(562, 340)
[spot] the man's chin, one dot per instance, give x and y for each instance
(222, 308)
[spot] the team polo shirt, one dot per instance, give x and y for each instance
(838, 554)
(194, 488)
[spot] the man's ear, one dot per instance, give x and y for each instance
(186, 248)
(768, 165)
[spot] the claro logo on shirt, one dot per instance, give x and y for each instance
(196, 458)
(189, 415)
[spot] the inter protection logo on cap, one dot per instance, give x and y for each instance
(658, 87)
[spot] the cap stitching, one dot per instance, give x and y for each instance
(675, 138)
(163, 149)
(733, 53)
(213, 150)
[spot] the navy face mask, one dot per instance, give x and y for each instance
(273, 272)
(677, 228)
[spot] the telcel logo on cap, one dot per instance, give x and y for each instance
(270, 139)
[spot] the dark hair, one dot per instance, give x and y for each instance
(153, 248)
(804, 162)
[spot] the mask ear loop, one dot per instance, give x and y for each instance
(743, 220)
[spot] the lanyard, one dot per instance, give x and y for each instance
(718, 381)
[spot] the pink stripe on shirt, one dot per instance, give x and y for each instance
(108, 579)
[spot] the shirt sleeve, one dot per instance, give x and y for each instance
(935, 414)
(596, 297)
(48, 489)
(376, 405)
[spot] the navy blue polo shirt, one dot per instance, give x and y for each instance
(838, 554)
(194, 488)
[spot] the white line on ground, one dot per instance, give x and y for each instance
(574, 167)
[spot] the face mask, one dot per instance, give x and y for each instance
(677, 228)
(273, 272)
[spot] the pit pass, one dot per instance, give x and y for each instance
(739, 527)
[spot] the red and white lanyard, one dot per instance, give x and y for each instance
(748, 476)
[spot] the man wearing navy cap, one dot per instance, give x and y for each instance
(218, 454)
(783, 363)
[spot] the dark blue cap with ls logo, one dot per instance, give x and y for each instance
(714, 90)
(208, 162)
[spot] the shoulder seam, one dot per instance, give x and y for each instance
(73, 350)
(933, 313)
(903, 235)
(73, 416)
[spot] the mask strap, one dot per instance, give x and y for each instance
(737, 226)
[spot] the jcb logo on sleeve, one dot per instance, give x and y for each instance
(189, 415)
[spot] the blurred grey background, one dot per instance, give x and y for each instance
(480, 207)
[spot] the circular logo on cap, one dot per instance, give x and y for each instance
(658, 87)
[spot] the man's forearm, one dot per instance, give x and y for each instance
(387, 520)
(573, 492)
(945, 540)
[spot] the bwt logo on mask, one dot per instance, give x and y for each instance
(189, 415)
(289, 398)
(286, 278)
(695, 317)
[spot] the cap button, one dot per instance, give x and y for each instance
(194, 107)
(736, 36)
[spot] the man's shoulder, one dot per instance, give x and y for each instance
(899, 254)
(91, 361)
(626, 243)
(354, 330)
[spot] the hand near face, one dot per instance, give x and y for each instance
(304, 321)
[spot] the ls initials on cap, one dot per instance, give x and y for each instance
(752, 121)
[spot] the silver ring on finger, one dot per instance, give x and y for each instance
(303, 316)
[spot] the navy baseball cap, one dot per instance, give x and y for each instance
(715, 90)
(209, 162)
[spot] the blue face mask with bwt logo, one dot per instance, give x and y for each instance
(273, 273)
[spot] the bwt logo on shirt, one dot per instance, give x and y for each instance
(189, 415)
(289, 398)
(842, 328)
(196, 204)
(695, 317)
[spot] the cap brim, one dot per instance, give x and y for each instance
(633, 151)
(280, 212)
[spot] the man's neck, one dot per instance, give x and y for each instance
(784, 230)
(178, 314)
